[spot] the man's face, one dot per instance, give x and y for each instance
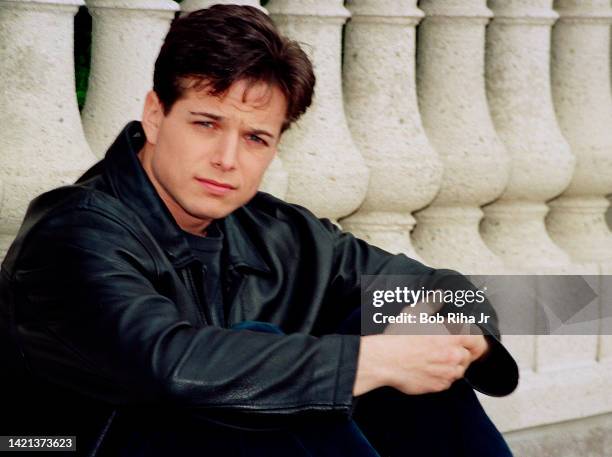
(207, 156)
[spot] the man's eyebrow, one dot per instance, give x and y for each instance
(215, 117)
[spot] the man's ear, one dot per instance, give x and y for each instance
(152, 116)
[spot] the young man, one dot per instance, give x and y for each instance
(162, 306)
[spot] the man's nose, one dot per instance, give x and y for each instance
(226, 151)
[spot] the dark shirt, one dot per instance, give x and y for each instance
(208, 250)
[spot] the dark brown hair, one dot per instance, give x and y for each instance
(223, 44)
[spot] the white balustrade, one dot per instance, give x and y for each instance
(519, 94)
(382, 110)
(452, 99)
(42, 144)
(126, 38)
(327, 173)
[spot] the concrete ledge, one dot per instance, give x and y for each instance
(589, 437)
(551, 397)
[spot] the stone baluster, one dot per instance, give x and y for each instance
(276, 179)
(42, 144)
(126, 38)
(450, 83)
(327, 173)
(519, 93)
(381, 107)
(583, 103)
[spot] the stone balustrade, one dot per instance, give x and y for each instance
(468, 134)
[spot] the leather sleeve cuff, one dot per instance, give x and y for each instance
(346, 373)
(496, 374)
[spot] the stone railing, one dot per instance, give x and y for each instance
(470, 135)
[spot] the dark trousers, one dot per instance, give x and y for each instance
(388, 423)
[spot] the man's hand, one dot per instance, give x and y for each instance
(415, 364)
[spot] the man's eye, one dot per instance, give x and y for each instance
(257, 139)
(206, 124)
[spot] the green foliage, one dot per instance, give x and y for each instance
(82, 53)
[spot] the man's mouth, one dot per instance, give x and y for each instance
(215, 187)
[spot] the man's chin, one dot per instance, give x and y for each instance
(218, 210)
(212, 214)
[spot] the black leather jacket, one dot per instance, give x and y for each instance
(103, 323)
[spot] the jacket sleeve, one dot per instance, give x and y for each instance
(496, 374)
(90, 319)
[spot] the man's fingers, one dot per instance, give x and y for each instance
(464, 357)
(476, 344)
(467, 358)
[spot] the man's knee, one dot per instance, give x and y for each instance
(397, 423)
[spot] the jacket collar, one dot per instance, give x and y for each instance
(130, 183)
